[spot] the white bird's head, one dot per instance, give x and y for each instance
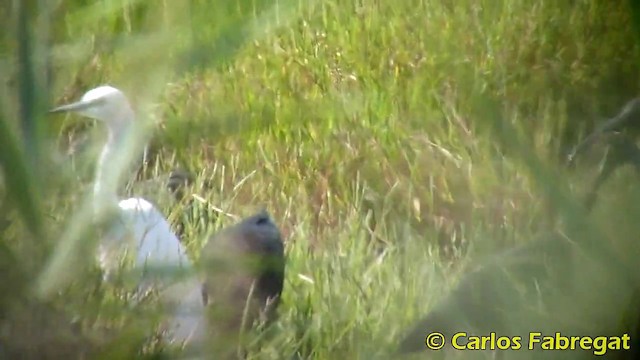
(104, 103)
(109, 105)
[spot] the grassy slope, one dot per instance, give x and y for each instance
(358, 125)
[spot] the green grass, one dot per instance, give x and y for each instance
(371, 130)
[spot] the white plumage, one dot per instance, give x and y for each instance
(138, 229)
(148, 235)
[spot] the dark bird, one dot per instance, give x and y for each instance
(244, 268)
(179, 179)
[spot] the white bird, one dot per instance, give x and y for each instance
(139, 229)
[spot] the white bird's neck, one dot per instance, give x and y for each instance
(111, 166)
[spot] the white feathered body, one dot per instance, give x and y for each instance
(141, 230)
(140, 233)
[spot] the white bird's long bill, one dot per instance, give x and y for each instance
(76, 106)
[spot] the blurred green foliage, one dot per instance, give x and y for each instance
(386, 137)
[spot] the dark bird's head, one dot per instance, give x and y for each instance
(178, 180)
